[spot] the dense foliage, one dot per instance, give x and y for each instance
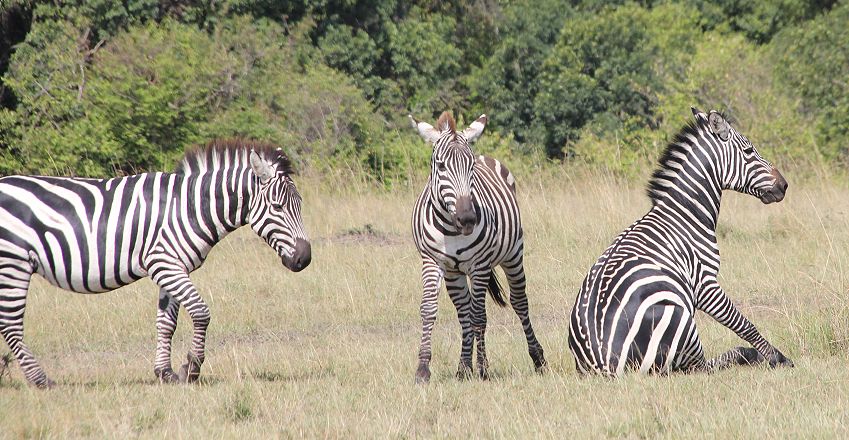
(99, 88)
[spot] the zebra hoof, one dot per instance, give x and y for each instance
(166, 375)
(464, 371)
(484, 374)
(539, 361)
(46, 384)
(190, 371)
(779, 360)
(422, 374)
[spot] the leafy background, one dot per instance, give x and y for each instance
(102, 88)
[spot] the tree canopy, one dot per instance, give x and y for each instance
(99, 88)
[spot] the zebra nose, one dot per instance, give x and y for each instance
(465, 215)
(302, 256)
(780, 181)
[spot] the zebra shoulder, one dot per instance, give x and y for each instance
(499, 170)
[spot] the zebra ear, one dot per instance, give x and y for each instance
(425, 130)
(718, 125)
(262, 169)
(476, 129)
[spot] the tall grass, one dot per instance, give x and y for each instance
(331, 351)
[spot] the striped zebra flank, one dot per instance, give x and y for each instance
(465, 223)
(95, 235)
(635, 309)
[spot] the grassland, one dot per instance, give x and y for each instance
(331, 352)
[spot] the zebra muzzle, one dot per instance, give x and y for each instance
(300, 258)
(778, 189)
(465, 217)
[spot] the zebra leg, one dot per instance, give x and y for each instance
(431, 277)
(715, 303)
(480, 282)
(166, 323)
(15, 275)
(458, 291)
(175, 281)
(515, 271)
(735, 356)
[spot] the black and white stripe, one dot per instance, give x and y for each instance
(636, 306)
(465, 223)
(95, 235)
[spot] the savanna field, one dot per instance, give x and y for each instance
(331, 351)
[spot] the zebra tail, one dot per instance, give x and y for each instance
(495, 289)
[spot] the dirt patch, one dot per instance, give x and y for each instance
(367, 234)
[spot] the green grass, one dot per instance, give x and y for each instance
(331, 351)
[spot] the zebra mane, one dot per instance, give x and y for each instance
(211, 157)
(672, 158)
(446, 122)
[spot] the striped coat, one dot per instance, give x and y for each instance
(95, 235)
(465, 223)
(636, 306)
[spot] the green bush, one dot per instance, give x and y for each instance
(812, 61)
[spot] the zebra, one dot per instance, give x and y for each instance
(635, 309)
(465, 222)
(95, 235)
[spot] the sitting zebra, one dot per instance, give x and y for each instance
(95, 235)
(466, 222)
(636, 306)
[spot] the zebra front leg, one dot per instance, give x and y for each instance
(458, 291)
(166, 323)
(735, 356)
(480, 281)
(715, 303)
(515, 271)
(14, 281)
(431, 277)
(174, 280)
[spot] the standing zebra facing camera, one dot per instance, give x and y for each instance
(636, 306)
(465, 222)
(95, 235)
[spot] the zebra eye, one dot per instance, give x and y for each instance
(277, 206)
(749, 150)
(440, 166)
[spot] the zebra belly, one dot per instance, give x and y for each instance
(83, 235)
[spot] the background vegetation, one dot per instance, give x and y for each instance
(98, 88)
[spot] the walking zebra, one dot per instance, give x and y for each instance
(466, 222)
(636, 307)
(95, 235)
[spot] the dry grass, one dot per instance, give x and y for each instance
(331, 351)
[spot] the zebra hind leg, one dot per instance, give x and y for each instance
(480, 285)
(166, 323)
(515, 272)
(15, 275)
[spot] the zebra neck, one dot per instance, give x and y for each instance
(216, 203)
(695, 210)
(690, 189)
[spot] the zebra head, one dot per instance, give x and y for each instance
(452, 173)
(745, 170)
(275, 211)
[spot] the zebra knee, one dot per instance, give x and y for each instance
(200, 315)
